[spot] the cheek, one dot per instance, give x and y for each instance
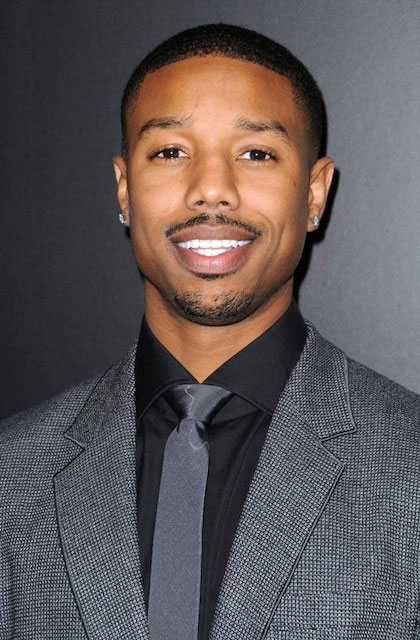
(153, 201)
(151, 209)
(146, 251)
(280, 202)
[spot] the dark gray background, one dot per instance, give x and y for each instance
(71, 295)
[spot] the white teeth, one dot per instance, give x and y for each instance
(212, 244)
(211, 252)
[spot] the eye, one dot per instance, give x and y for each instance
(170, 153)
(258, 155)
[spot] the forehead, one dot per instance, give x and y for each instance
(218, 86)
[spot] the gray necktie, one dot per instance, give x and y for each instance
(175, 579)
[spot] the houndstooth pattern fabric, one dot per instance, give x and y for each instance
(327, 547)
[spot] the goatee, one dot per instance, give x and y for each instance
(228, 308)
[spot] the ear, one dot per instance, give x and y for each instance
(319, 185)
(120, 169)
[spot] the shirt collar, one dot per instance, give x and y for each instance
(258, 373)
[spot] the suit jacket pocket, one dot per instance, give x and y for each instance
(355, 615)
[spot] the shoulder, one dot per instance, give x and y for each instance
(40, 428)
(369, 393)
(44, 422)
(380, 399)
(382, 454)
(378, 422)
(343, 391)
(33, 447)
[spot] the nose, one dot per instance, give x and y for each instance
(212, 185)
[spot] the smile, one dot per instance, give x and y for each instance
(211, 247)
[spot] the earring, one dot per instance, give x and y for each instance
(121, 217)
(315, 221)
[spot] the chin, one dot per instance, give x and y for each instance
(228, 308)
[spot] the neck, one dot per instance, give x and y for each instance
(202, 349)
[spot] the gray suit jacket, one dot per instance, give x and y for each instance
(327, 546)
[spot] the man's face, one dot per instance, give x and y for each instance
(218, 188)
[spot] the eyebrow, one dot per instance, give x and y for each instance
(258, 126)
(163, 123)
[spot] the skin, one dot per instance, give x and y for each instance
(275, 191)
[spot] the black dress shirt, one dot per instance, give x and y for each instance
(256, 375)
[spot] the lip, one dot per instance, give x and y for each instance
(203, 232)
(223, 263)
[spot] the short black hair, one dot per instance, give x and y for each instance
(233, 42)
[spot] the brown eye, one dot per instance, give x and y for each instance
(171, 153)
(257, 155)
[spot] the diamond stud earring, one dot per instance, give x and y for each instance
(315, 221)
(121, 217)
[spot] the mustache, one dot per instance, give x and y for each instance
(218, 218)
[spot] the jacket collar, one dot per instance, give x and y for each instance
(319, 387)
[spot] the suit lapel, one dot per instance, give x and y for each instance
(96, 508)
(293, 482)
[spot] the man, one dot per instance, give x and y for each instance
(235, 476)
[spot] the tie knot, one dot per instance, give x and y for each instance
(197, 401)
